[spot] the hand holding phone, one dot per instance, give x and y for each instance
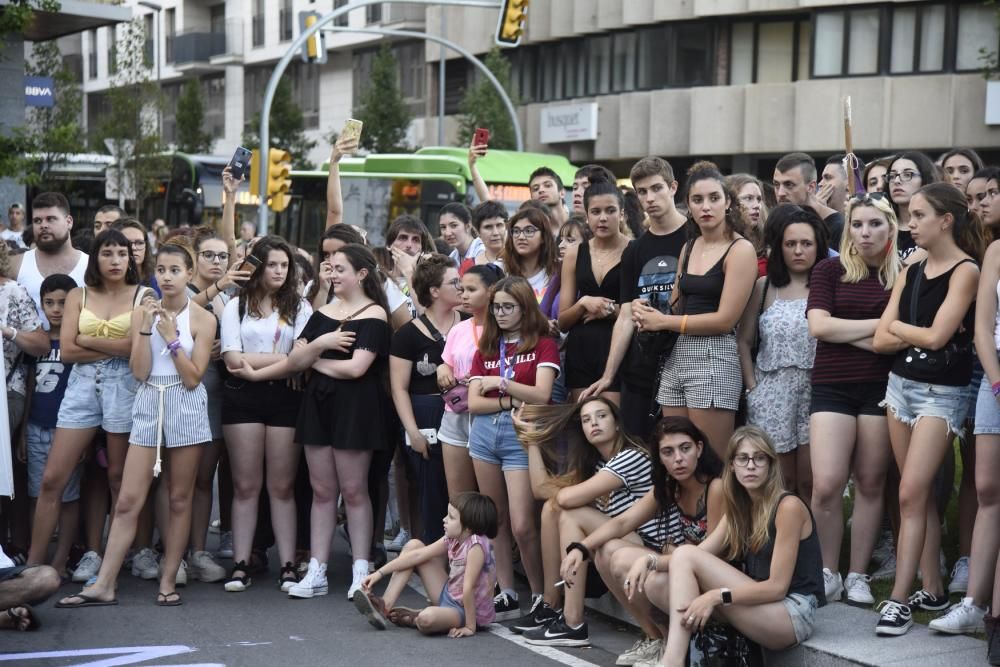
(251, 264)
(239, 166)
(352, 130)
(481, 137)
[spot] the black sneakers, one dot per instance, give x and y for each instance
(541, 615)
(896, 618)
(927, 601)
(506, 607)
(557, 633)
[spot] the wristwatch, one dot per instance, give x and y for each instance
(727, 596)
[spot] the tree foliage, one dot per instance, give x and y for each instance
(191, 138)
(382, 108)
(989, 58)
(481, 106)
(132, 121)
(49, 133)
(287, 127)
(16, 15)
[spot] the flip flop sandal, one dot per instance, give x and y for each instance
(87, 601)
(29, 614)
(404, 617)
(371, 607)
(172, 599)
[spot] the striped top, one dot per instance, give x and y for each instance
(843, 362)
(634, 468)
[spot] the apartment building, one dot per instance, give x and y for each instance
(740, 81)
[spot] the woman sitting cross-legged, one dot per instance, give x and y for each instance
(767, 531)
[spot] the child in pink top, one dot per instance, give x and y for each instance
(464, 592)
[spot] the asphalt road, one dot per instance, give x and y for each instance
(262, 626)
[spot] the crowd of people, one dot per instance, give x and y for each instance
(673, 382)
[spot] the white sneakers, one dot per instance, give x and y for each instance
(960, 576)
(643, 651)
(833, 585)
(963, 617)
(360, 573)
(87, 568)
(144, 565)
(859, 590)
(204, 568)
(398, 542)
(312, 584)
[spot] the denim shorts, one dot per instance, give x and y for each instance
(492, 439)
(39, 443)
(455, 428)
(987, 410)
(909, 401)
(99, 393)
(448, 602)
(802, 611)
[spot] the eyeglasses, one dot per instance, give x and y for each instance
(503, 308)
(456, 283)
(210, 256)
(903, 176)
(526, 232)
(868, 198)
(760, 459)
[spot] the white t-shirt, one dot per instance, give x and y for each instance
(539, 284)
(10, 235)
(475, 248)
(5, 562)
(261, 336)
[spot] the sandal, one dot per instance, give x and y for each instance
(19, 619)
(371, 607)
(238, 583)
(171, 599)
(84, 601)
(289, 576)
(404, 617)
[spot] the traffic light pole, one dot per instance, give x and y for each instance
(298, 42)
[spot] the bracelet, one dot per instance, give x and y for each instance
(684, 324)
(13, 335)
(510, 402)
(504, 383)
(173, 346)
(996, 386)
(218, 290)
(500, 402)
(145, 333)
(651, 560)
(584, 551)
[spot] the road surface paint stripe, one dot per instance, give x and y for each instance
(128, 655)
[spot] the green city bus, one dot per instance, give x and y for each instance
(377, 188)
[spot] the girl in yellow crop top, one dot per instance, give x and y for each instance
(95, 338)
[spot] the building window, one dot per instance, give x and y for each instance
(92, 54)
(373, 14)
(978, 27)
(257, 23)
(676, 54)
(149, 40)
(112, 51)
(213, 92)
(285, 15)
(305, 92)
(847, 43)
(412, 71)
(342, 19)
(217, 19)
(598, 65)
(918, 39)
(623, 61)
(169, 32)
(254, 83)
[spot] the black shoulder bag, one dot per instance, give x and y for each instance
(928, 365)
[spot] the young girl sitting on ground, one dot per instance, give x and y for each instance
(463, 591)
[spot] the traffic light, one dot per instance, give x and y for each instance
(255, 165)
(279, 166)
(513, 13)
(314, 50)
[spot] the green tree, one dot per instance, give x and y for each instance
(16, 15)
(382, 108)
(49, 133)
(989, 57)
(190, 120)
(287, 127)
(481, 106)
(132, 124)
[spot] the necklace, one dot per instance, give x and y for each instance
(601, 256)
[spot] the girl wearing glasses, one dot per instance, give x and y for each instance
(907, 173)
(530, 250)
(928, 325)
(414, 358)
(591, 276)
(848, 433)
(776, 350)
(701, 379)
(516, 362)
(773, 598)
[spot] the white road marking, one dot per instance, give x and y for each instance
(128, 655)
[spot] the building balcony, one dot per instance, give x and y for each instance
(193, 51)
(232, 54)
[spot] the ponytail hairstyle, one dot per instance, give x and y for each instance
(489, 274)
(665, 487)
(603, 188)
(748, 520)
(286, 300)
(704, 171)
(180, 246)
(967, 229)
(360, 257)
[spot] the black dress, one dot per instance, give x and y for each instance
(588, 344)
(349, 414)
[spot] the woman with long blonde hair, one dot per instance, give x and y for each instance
(773, 598)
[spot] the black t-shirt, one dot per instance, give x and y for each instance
(834, 228)
(413, 344)
(649, 269)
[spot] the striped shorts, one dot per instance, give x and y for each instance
(163, 402)
(702, 372)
